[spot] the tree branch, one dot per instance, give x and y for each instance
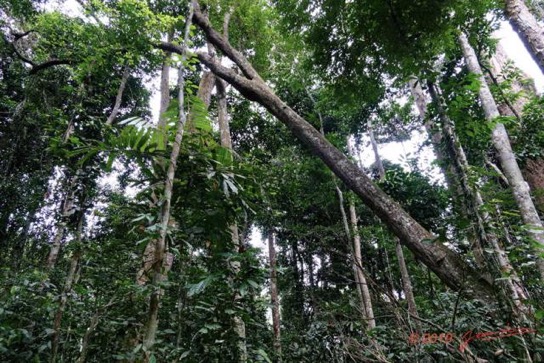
(223, 44)
(50, 63)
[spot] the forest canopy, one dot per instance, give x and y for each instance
(182, 181)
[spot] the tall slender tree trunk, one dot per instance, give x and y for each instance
(55, 337)
(68, 208)
(470, 197)
(514, 287)
(507, 158)
(159, 276)
(528, 29)
(274, 298)
(405, 276)
(226, 142)
(365, 305)
(533, 169)
(355, 267)
(360, 277)
(165, 88)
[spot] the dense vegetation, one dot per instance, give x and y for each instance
(126, 238)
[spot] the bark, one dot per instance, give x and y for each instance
(87, 338)
(356, 267)
(405, 276)
(377, 158)
(406, 281)
(165, 88)
(224, 128)
(274, 298)
(533, 170)
(528, 29)
(160, 248)
(207, 82)
(119, 97)
(90, 330)
(508, 162)
(441, 153)
(534, 173)
(514, 287)
(498, 62)
(62, 306)
(446, 264)
(471, 199)
(226, 142)
(68, 208)
(359, 271)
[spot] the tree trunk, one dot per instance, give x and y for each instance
(533, 170)
(160, 247)
(62, 306)
(471, 199)
(510, 167)
(226, 142)
(274, 298)
(374, 144)
(514, 287)
(528, 29)
(356, 271)
(360, 277)
(119, 97)
(68, 208)
(446, 264)
(406, 281)
(165, 88)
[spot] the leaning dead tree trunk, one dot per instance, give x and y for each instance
(528, 29)
(160, 244)
(445, 263)
(274, 298)
(507, 158)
